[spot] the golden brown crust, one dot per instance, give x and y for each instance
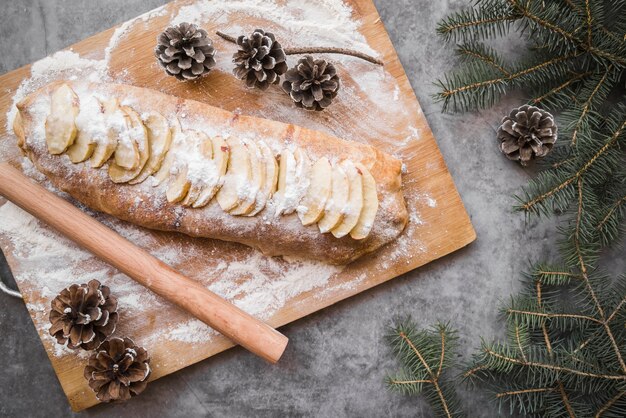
(147, 206)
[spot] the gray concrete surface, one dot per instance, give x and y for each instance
(337, 361)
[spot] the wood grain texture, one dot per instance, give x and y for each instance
(440, 229)
(139, 265)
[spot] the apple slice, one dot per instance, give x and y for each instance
(301, 182)
(286, 175)
(107, 144)
(238, 176)
(163, 173)
(160, 140)
(354, 206)
(61, 122)
(370, 205)
(311, 209)
(179, 185)
(257, 165)
(138, 134)
(271, 178)
(82, 148)
(340, 191)
(18, 129)
(214, 178)
(202, 153)
(91, 129)
(127, 152)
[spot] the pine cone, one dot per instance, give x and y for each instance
(527, 133)
(118, 370)
(83, 315)
(260, 60)
(312, 84)
(185, 51)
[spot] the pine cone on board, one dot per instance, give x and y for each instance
(83, 315)
(118, 370)
(312, 84)
(185, 51)
(527, 133)
(260, 60)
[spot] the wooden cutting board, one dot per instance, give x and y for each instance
(375, 105)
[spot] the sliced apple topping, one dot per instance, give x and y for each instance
(82, 148)
(271, 178)
(301, 182)
(108, 143)
(159, 140)
(198, 159)
(352, 210)
(179, 185)
(138, 135)
(257, 165)
(213, 177)
(91, 127)
(127, 152)
(370, 205)
(286, 175)
(18, 129)
(238, 176)
(163, 173)
(312, 206)
(340, 191)
(61, 122)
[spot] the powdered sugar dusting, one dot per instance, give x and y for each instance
(257, 284)
(122, 30)
(260, 285)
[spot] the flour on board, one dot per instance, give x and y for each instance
(258, 284)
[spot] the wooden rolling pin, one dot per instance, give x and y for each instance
(251, 333)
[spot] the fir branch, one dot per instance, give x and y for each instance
(532, 205)
(551, 367)
(478, 88)
(565, 329)
(553, 91)
(485, 21)
(610, 225)
(589, 287)
(544, 328)
(609, 404)
(525, 10)
(589, 22)
(425, 355)
(532, 314)
(485, 55)
(588, 103)
(519, 392)
(566, 400)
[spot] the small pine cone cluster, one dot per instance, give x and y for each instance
(83, 316)
(185, 51)
(312, 84)
(118, 370)
(260, 60)
(527, 133)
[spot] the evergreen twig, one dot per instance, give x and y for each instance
(565, 351)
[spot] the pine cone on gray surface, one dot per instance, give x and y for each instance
(118, 370)
(185, 51)
(260, 60)
(312, 84)
(83, 315)
(527, 133)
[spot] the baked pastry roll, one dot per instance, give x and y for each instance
(171, 164)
